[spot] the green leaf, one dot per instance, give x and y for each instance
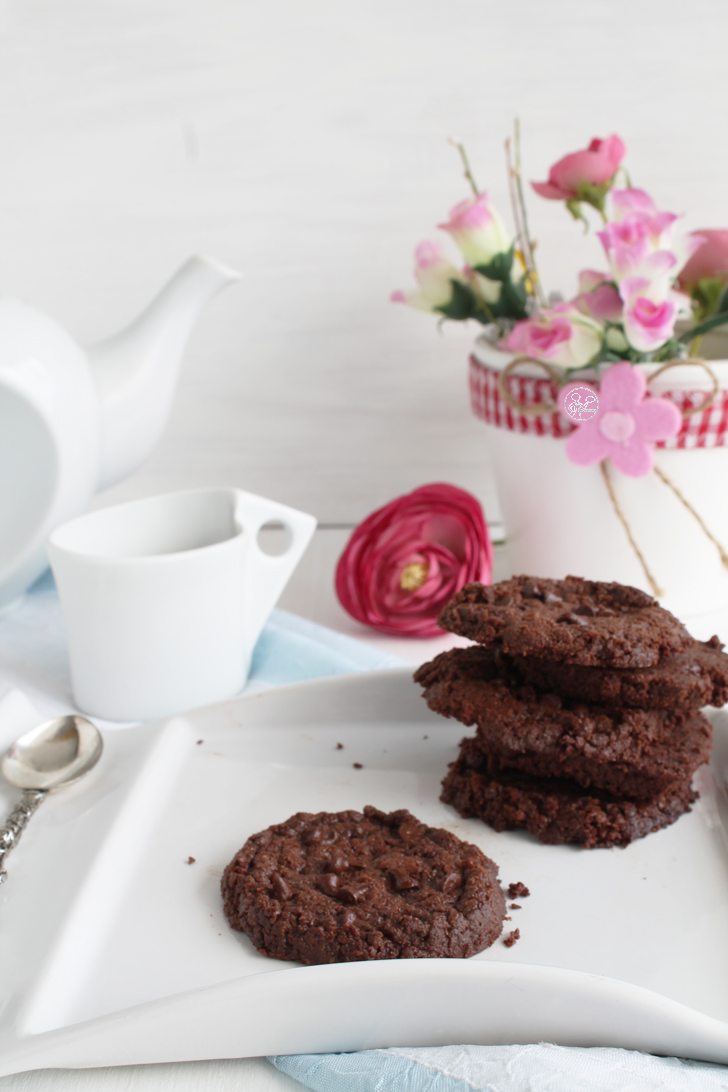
(513, 299)
(669, 351)
(463, 303)
(499, 268)
(706, 295)
(723, 301)
(577, 212)
(703, 327)
(593, 194)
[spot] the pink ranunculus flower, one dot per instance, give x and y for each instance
(625, 424)
(650, 312)
(405, 561)
(595, 166)
(434, 274)
(598, 298)
(563, 336)
(710, 258)
(478, 230)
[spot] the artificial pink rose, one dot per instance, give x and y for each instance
(641, 240)
(636, 205)
(478, 230)
(593, 167)
(563, 335)
(710, 258)
(434, 274)
(630, 201)
(650, 313)
(598, 298)
(407, 560)
(624, 425)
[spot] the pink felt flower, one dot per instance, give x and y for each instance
(478, 230)
(625, 424)
(595, 166)
(407, 560)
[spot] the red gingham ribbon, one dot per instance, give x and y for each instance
(706, 429)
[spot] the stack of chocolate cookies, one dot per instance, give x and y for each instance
(586, 697)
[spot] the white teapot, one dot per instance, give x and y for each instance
(73, 421)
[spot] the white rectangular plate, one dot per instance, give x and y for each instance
(115, 950)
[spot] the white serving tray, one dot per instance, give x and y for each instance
(115, 951)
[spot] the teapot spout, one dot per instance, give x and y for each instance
(136, 371)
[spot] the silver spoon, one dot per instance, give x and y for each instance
(56, 753)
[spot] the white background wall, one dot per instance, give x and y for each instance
(304, 142)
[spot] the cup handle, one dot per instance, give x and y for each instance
(267, 576)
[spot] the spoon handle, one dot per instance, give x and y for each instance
(16, 823)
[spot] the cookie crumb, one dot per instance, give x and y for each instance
(514, 906)
(339, 746)
(190, 860)
(513, 936)
(518, 890)
(357, 765)
(506, 918)
(199, 741)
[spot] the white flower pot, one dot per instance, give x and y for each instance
(559, 518)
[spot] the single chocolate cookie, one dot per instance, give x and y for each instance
(632, 753)
(335, 887)
(557, 811)
(698, 676)
(570, 621)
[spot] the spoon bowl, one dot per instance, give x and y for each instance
(57, 752)
(51, 756)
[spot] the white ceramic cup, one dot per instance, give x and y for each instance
(164, 598)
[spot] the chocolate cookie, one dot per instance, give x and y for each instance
(335, 887)
(634, 753)
(557, 811)
(571, 621)
(698, 676)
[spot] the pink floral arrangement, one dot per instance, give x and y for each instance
(655, 273)
(405, 561)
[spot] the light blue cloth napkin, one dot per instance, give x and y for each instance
(539, 1068)
(33, 659)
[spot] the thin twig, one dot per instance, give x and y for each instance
(468, 173)
(524, 216)
(683, 500)
(656, 590)
(518, 206)
(516, 209)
